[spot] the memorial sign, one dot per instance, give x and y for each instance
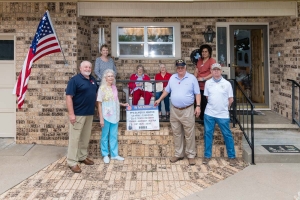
(142, 117)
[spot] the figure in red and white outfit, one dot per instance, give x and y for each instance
(137, 88)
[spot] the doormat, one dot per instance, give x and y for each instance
(248, 112)
(281, 148)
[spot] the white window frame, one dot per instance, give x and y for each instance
(176, 52)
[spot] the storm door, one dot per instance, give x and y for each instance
(249, 61)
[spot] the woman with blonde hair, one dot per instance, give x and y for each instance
(109, 114)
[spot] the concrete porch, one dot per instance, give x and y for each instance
(271, 128)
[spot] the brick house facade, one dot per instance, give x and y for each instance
(43, 119)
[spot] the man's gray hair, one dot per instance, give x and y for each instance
(85, 62)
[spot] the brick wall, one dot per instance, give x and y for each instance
(43, 118)
(284, 39)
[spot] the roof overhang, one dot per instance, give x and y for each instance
(193, 8)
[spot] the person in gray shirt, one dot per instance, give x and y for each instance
(104, 62)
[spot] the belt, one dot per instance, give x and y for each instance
(183, 107)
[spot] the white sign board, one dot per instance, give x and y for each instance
(142, 117)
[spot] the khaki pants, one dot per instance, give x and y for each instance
(79, 137)
(183, 126)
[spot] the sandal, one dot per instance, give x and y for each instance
(168, 116)
(160, 116)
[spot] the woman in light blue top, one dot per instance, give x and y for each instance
(109, 114)
(104, 62)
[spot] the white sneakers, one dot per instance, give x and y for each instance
(106, 159)
(117, 158)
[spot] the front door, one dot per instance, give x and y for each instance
(249, 62)
(257, 60)
(7, 81)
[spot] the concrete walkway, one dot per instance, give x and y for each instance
(267, 181)
(20, 161)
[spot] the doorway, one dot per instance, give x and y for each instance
(249, 61)
(7, 81)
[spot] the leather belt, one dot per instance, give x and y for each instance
(183, 107)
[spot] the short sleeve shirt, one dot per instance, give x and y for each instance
(84, 93)
(217, 94)
(159, 77)
(110, 103)
(183, 90)
(204, 70)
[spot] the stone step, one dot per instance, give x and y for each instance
(273, 137)
(159, 143)
(276, 126)
(264, 156)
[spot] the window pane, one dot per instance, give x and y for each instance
(130, 34)
(222, 46)
(160, 34)
(160, 49)
(131, 49)
(6, 50)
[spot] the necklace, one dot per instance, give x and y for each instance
(204, 61)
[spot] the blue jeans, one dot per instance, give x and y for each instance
(109, 135)
(209, 128)
(166, 101)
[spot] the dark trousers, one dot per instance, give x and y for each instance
(203, 104)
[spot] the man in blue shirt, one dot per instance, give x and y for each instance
(184, 89)
(81, 94)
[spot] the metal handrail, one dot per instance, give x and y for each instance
(294, 85)
(238, 115)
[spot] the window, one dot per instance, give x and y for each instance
(6, 50)
(134, 40)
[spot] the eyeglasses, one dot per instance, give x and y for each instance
(180, 67)
(180, 61)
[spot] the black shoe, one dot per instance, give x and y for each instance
(168, 116)
(160, 116)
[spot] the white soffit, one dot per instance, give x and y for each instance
(195, 9)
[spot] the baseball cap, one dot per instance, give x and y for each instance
(216, 65)
(180, 62)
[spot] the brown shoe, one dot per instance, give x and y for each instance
(205, 160)
(175, 159)
(192, 161)
(75, 169)
(232, 161)
(87, 161)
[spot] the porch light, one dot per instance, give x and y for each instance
(209, 34)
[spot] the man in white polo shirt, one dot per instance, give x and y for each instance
(218, 92)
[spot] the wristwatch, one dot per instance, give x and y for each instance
(197, 105)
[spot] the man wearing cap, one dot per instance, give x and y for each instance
(218, 92)
(184, 89)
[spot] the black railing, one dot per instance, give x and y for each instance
(242, 113)
(294, 97)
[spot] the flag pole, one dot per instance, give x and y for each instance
(66, 62)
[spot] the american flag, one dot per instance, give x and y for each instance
(44, 42)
